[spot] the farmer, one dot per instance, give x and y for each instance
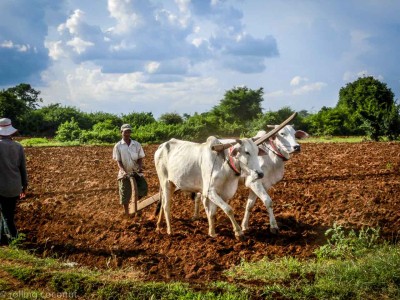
(129, 156)
(13, 179)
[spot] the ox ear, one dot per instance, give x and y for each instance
(271, 126)
(234, 152)
(275, 131)
(300, 134)
(261, 152)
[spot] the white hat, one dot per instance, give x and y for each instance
(126, 127)
(6, 128)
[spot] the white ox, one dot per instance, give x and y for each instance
(274, 152)
(211, 169)
(277, 150)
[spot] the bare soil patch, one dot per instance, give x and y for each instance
(72, 211)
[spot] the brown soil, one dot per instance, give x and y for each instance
(72, 211)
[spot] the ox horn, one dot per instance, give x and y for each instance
(274, 131)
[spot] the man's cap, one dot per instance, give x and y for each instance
(6, 127)
(126, 127)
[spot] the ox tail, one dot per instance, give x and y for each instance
(158, 207)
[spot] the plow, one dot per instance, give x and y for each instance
(136, 204)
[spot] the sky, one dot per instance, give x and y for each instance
(182, 56)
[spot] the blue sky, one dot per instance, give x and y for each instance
(123, 56)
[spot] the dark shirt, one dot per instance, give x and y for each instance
(13, 175)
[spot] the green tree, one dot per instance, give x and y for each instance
(138, 119)
(11, 107)
(240, 105)
(97, 117)
(171, 118)
(54, 115)
(328, 121)
(27, 94)
(17, 102)
(370, 104)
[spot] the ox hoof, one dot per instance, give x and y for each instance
(241, 238)
(274, 230)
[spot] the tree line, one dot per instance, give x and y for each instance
(365, 107)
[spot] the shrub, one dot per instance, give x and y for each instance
(68, 131)
(342, 245)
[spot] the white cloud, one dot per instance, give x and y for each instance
(305, 89)
(55, 50)
(152, 67)
(18, 47)
(127, 14)
(79, 45)
(297, 80)
(88, 88)
(73, 23)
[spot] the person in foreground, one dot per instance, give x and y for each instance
(129, 155)
(13, 179)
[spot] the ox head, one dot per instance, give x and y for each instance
(245, 153)
(241, 155)
(285, 139)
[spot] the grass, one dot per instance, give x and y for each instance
(43, 277)
(44, 142)
(352, 265)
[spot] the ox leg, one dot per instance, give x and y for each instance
(166, 207)
(249, 206)
(197, 199)
(217, 200)
(162, 196)
(272, 222)
(210, 209)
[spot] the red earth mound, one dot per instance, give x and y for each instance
(72, 211)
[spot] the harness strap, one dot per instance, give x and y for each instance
(231, 163)
(276, 151)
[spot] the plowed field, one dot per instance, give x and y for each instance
(73, 211)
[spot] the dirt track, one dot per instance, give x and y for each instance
(72, 211)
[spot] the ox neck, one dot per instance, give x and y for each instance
(231, 162)
(274, 149)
